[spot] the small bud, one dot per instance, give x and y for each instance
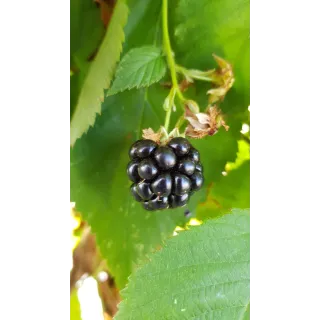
(192, 105)
(169, 100)
(166, 104)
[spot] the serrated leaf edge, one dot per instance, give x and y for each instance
(119, 18)
(152, 255)
(120, 68)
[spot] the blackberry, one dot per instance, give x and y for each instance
(132, 171)
(178, 201)
(147, 169)
(181, 184)
(194, 155)
(142, 149)
(181, 146)
(162, 185)
(143, 190)
(187, 166)
(135, 193)
(164, 176)
(196, 181)
(199, 167)
(165, 158)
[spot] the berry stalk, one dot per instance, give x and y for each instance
(170, 59)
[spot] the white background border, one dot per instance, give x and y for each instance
(285, 160)
(34, 160)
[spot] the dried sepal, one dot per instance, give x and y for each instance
(223, 78)
(161, 137)
(151, 135)
(204, 124)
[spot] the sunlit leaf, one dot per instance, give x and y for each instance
(202, 273)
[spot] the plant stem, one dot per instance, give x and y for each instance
(170, 59)
(180, 122)
(167, 120)
(195, 74)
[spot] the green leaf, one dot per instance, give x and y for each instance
(144, 24)
(140, 67)
(215, 151)
(221, 27)
(202, 28)
(125, 232)
(242, 155)
(202, 273)
(100, 74)
(76, 82)
(75, 311)
(99, 186)
(205, 27)
(231, 191)
(86, 31)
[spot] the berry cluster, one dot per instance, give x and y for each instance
(164, 176)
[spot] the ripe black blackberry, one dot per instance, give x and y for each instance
(164, 176)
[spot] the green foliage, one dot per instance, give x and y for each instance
(127, 234)
(100, 74)
(140, 67)
(200, 274)
(221, 27)
(143, 27)
(202, 28)
(215, 152)
(75, 312)
(242, 155)
(86, 31)
(231, 191)
(97, 174)
(100, 187)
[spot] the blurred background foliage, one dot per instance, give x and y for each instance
(110, 234)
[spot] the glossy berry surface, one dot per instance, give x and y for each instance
(186, 166)
(132, 171)
(133, 149)
(144, 191)
(134, 193)
(142, 149)
(164, 177)
(147, 169)
(178, 201)
(159, 203)
(194, 155)
(181, 184)
(162, 185)
(199, 167)
(165, 158)
(196, 181)
(181, 146)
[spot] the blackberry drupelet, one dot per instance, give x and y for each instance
(164, 177)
